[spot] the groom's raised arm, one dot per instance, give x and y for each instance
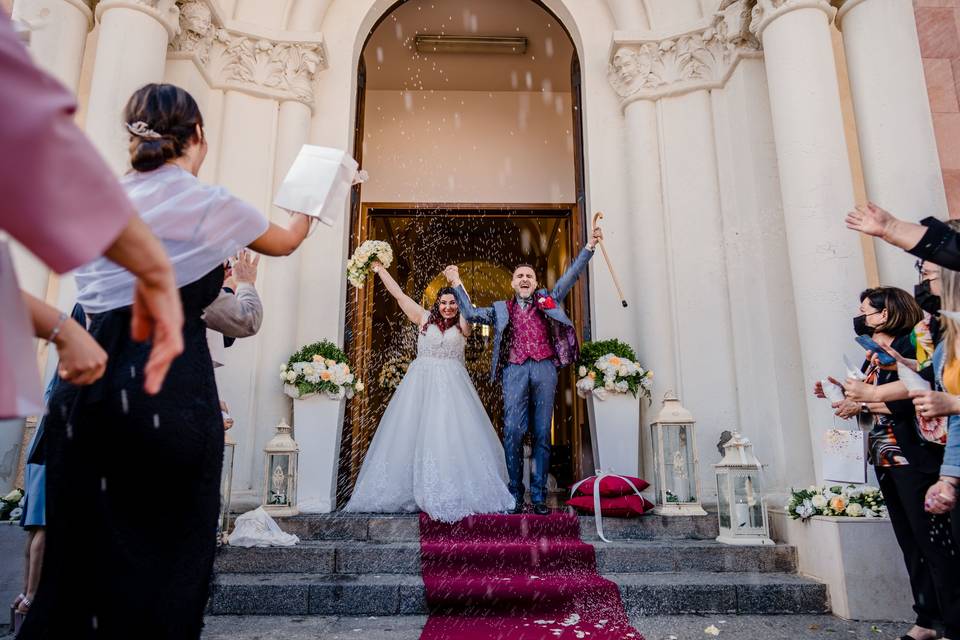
(474, 315)
(569, 277)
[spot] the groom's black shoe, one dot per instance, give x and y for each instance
(541, 509)
(517, 507)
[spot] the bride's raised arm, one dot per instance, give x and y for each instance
(414, 312)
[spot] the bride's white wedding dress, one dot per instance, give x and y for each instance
(435, 449)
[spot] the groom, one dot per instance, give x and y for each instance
(534, 338)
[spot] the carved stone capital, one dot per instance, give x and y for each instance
(766, 11)
(648, 66)
(280, 65)
(166, 12)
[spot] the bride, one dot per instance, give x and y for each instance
(435, 449)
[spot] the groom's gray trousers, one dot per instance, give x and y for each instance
(528, 392)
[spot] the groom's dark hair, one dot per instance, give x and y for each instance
(524, 264)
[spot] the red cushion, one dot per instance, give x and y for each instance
(612, 486)
(618, 507)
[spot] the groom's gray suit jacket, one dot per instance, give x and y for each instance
(563, 335)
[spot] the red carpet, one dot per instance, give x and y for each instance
(519, 577)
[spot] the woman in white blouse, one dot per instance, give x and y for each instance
(132, 478)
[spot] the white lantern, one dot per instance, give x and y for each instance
(676, 465)
(280, 473)
(226, 485)
(743, 515)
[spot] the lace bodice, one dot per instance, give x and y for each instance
(447, 345)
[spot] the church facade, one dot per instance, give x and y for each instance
(724, 141)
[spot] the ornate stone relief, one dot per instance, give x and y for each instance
(256, 63)
(650, 67)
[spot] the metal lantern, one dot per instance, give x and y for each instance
(280, 474)
(676, 465)
(226, 484)
(743, 515)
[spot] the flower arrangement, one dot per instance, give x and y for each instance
(320, 367)
(610, 366)
(10, 505)
(850, 501)
(358, 266)
(392, 372)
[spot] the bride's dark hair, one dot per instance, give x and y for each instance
(436, 318)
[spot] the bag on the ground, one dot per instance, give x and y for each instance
(257, 529)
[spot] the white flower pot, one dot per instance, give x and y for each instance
(615, 433)
(857, 558)
(316, 428)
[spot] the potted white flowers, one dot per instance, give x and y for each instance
(318, 378)
(611, 380)
(847, 502)
(844, 539)
(358, 266)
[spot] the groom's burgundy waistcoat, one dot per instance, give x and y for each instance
(529, 335)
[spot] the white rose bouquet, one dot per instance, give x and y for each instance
(393, 371)
(320, 367)
(850, 501)
(610, 366)
(358, 266)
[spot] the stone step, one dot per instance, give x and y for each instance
(385, 595)
(406, 528)
(619, 556)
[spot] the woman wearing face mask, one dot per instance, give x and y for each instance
(906, 465)
(435, 449)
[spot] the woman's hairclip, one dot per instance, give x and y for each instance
(142, 130)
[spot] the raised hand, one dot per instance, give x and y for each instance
(245, 266)
(452, 274)
(596, 238)
(870, 219)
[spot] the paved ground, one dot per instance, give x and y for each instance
(654, 628)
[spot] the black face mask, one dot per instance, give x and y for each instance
(860, 326)
(925, 298)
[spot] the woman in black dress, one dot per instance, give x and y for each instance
(133, 479)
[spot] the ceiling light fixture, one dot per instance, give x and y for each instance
(425, 43)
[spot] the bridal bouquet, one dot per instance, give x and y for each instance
(393, 371)
(320, 367)
(610, 366)
(358, 266)
(850, 501)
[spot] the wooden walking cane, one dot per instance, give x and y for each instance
(603, 249)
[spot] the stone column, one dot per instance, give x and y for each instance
(280, 285)
(825, 259)
(131, 52)
(898, 149)
(58, 34)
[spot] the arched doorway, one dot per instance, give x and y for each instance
(475, 153)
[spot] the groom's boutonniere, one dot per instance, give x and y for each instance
(546, 303)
